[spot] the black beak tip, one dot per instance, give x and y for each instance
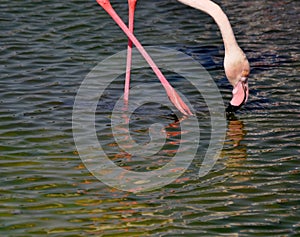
(230, 110)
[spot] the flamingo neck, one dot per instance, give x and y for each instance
(220, 18)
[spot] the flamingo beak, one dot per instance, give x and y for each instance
(240, 95)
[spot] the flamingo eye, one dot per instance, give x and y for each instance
(245, 73)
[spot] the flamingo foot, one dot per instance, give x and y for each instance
(177, 101)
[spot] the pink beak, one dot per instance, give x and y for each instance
(240, 95)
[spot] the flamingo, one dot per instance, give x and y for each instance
(236, 65)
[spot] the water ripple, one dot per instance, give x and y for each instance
(48, 47)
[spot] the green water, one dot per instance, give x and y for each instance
(46, 50)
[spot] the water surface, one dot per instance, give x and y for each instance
(48, 47)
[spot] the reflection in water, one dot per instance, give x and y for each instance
(162, 142)
(236, 132)
(234, 148)
(235, 135)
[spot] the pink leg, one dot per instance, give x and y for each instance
(131, 4)
(172, 94)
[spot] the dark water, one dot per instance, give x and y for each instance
(48, 47)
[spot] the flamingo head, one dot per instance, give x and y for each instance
(237, 70)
